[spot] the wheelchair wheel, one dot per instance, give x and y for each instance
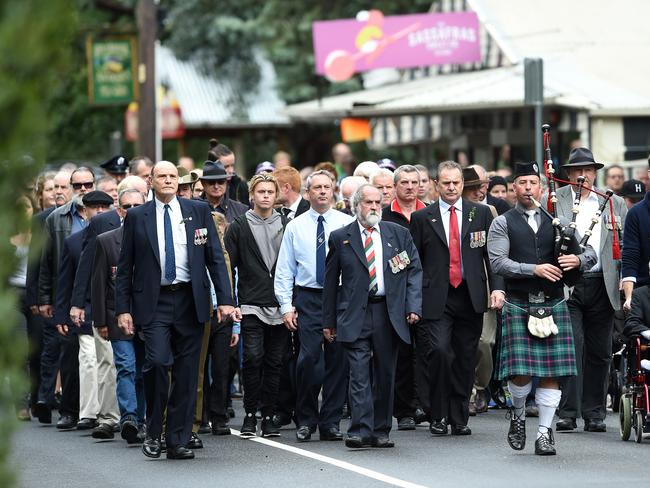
(625, 417)
(639, 420)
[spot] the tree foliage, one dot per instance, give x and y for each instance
(34, 39)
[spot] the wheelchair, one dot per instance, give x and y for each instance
(634, 407)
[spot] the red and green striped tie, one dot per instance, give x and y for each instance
(370, 257)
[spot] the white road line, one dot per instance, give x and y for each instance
(334, 462)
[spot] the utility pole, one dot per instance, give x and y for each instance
(146, 14)
(534, 95)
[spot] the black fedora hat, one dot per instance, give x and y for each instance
(214, 170)
(580, 157)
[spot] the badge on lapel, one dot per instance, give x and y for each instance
(399, 262)
(477, 239)
(617, 222)
(200, 236)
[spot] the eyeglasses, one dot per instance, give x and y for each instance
(213, 182)
(127, 206)
(87, 185)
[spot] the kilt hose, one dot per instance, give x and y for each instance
(522, 354)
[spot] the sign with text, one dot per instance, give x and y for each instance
(345, 47)
(111, 70)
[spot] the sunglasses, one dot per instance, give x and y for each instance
(213, 182)
(87, 185)
(127, 206)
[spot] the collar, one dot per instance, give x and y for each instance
(314, 214)
(394, 206)
(294, 206)
(375, 228)
(522, 210)
(173, 204)
(592, 195)
(74, 210)
(444, 206)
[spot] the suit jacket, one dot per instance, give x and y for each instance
(98, 225)
(303, 206)
(638, 320)
(431, 242)
(139, 272)
(102, 283)
(69, 262)
(57, 228)
(34, 261)
(345, 308)
(499, 204)
(611, 267)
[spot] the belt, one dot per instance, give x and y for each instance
(312, 290)
(376, 298)
(176, 286)
(524, 296)
(593, 274)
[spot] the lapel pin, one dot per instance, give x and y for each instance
(434, 220)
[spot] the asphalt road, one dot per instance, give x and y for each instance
(45, 457)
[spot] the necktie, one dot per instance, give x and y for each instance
(286, 211)
(170, 257)
(455, 273)
(531, 220)
(370, 257)
(320, 251)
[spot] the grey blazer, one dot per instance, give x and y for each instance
(611, 267)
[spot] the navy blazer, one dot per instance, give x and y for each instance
(69, 264)
(344, 307)
(98, 225)
(139, 272)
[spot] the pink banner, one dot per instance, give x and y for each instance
(345, 47)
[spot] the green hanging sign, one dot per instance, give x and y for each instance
(112, 71)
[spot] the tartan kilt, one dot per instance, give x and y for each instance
(522, 354)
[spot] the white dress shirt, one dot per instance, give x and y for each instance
(588, 208)
(296, 265)
(293, 208)
(180, 241)
(379, 256)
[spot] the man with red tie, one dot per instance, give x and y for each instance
(451, 236)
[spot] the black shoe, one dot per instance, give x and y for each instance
(151, 447)
(460, 430)
(281, 419)
(406, 423)
(357, 442)
(595, 425)
(345, 413)
(219, 427)
(103, 431)
(66, 422)
(566, 425)
(142, 434)
(57, 401)
(268, 428)
(249, 427)
(195, 442)
(180, 452)
(420, 416)
(303, 434)
(517, 432)
(129, 432)
(382, 442)
(331, 434)
(43, 412)
(545, 444)
(438, 427)
(86, 424)
(231, 412)
(204, 429)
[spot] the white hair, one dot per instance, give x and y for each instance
(365, 169)
(379, 173)
(351, 183)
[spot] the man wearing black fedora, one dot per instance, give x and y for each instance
(215, 191)
(595, 297)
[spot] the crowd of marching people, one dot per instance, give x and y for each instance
(152, 294)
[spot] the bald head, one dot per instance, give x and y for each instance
(164, 181)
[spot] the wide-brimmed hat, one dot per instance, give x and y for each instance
(471, 178)
(526, 169)
(213, 170)
(581, 157)
(185, 177)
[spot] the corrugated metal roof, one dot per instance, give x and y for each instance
(207, 102)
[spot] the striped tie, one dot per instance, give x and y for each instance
(370, 257)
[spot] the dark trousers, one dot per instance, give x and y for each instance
(264, 347)
(372, 359)
(32, 326)
(50, 361)
(69, 367)
(172, 339)
(219, 353)
(592, 320)
(309, 305)
(286, 403)
(405, 395)
(449, 346)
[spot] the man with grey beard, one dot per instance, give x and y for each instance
(380, 295)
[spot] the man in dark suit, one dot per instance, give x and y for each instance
(451, 237)
(128, 351)
(500, 205)
(379, 269)
(169, 248)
